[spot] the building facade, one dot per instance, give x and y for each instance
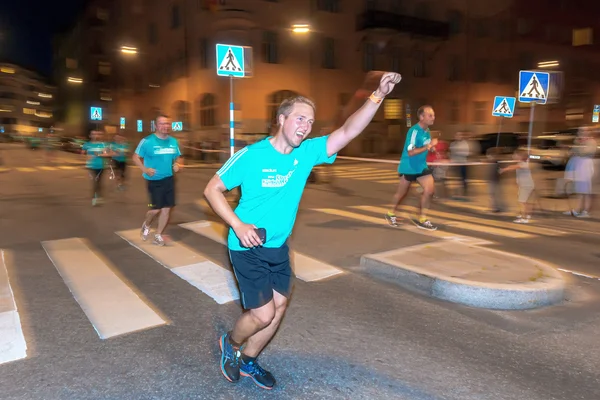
(455, 55)
(26, 102)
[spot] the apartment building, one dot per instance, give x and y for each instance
(26, 101)
(453, 54)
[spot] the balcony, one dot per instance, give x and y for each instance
(402, 23)
(232, 20)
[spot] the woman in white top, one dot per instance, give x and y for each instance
(580, 170)
(524, 182)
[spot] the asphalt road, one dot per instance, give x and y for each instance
(345, 337)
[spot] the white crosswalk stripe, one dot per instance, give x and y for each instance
(475, 225)
(114, 306)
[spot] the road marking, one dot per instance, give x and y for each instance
(68, 167)
(25, 169)
(200, 272)
(580, 274)
(305, 268)
(111, 305)
(48, 168)
(463, 218)
(406, 227)
(455, 224)
(4, 169)
(12, 341)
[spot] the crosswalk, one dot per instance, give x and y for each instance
(473, 227)
(370, 174)
(78, 166)
(113, 305)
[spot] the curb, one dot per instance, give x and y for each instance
(547, 291)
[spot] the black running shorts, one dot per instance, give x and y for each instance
(162, 193)
(261, 270)
(415, 177)
(120, 166)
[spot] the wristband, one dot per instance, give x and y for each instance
(375, 99)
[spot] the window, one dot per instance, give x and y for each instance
(370, 5)
(275, 100)
(269, 48)
(328, 53)
(104, 68)
(582, 37)
(422, 10)
(504, 72)
(332, 6)
(368, 57)
(454, 68)
(524, 26)
(392, 109)
(455, 20)
(453, 112)
(203, 52)
(175, 17)
(71, 63)
(525, 60)
(396, 59)
(481, 70)
(419, 70)
(481, 28)
(208, 107)
(480, 112)
(396, 6)
(152, 33)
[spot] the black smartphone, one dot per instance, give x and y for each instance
(262, 235)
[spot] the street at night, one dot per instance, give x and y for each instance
(347, 336)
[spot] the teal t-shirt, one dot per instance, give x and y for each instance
(121, 151)
(415, 138)
(272, 184)
(94, 149)
(158, 154)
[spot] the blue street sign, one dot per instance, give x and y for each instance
(122, 123)
(96, 113)
(140, 125)
(504, 106)
(230, 60)
(596, 114)
(533, 86)
(177, 126)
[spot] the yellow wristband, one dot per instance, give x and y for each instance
(375, 99)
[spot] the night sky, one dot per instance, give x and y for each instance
(27, 28)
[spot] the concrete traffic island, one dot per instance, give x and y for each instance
(470, 275)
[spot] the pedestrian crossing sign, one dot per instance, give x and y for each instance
(96, 113)
(177, 126)
(596, 114)
(230, 60)
(504, 106)
(533, 86)
(140, 125)
(122, 124)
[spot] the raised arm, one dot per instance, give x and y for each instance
(358, 121)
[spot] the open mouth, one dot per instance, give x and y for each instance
(300, 134)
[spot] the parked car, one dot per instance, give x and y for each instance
(507, 142)
(552, 151)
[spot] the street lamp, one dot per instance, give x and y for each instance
(300, 28)
(548, 64)
(128, 50)
(74, 80)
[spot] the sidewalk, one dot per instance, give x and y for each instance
(468, 274)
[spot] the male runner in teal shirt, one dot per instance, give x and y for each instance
(272, 174)
(158, 156)
(413, 167)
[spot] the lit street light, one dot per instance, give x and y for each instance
(74, 80)
(128, 50)
(548, 64)
(300, 28)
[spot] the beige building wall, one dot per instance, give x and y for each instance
(459, 76)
